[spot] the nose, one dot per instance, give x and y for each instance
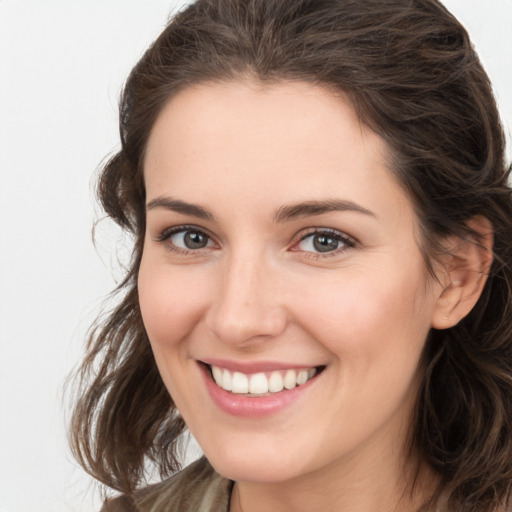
(247, 308)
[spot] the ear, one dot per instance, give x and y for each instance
(463, 273)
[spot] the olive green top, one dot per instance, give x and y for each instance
(197, 488)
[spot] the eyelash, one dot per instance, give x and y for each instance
(166, 234)
(346, 241)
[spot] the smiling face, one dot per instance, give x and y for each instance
(281, 261)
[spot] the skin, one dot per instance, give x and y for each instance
(258, 291)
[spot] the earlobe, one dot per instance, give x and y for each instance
(465, 269)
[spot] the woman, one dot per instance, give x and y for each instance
(321, 276)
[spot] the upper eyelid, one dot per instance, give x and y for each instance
(302, 234)
(171, 230)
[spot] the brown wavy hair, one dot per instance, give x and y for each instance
(409, 69)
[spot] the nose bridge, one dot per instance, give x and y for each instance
(248, 305)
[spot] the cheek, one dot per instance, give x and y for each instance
(366, 318)
(171, 302)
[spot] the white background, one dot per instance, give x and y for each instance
(62, 64)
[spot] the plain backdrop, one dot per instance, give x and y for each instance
(62, 66)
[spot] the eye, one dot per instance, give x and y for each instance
(186, 239)
(189, 240)
(324, 241)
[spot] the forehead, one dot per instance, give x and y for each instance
(297, 139)
(281, 115)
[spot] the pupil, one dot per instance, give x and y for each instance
(324, 243)
(195, 240)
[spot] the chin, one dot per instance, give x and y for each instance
(253, 470)
(249, 462)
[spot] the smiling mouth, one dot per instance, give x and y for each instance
(262, 383)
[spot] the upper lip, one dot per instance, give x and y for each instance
(250, 367)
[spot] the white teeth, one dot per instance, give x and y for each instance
(302, 377)
(275, 383)
(226, 380)
(240, 383)
(217, 375)
(261, 383)
(258, 384)
(290, 379)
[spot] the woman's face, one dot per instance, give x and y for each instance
(282, 257)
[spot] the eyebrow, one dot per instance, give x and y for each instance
(283, 214)
(309, 208)
(178, 206)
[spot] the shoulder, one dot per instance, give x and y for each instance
(120, 504)
(197, 487)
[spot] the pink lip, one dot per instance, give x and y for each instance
(252, 407)
(254, 367)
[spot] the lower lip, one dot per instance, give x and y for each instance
(252, 407)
